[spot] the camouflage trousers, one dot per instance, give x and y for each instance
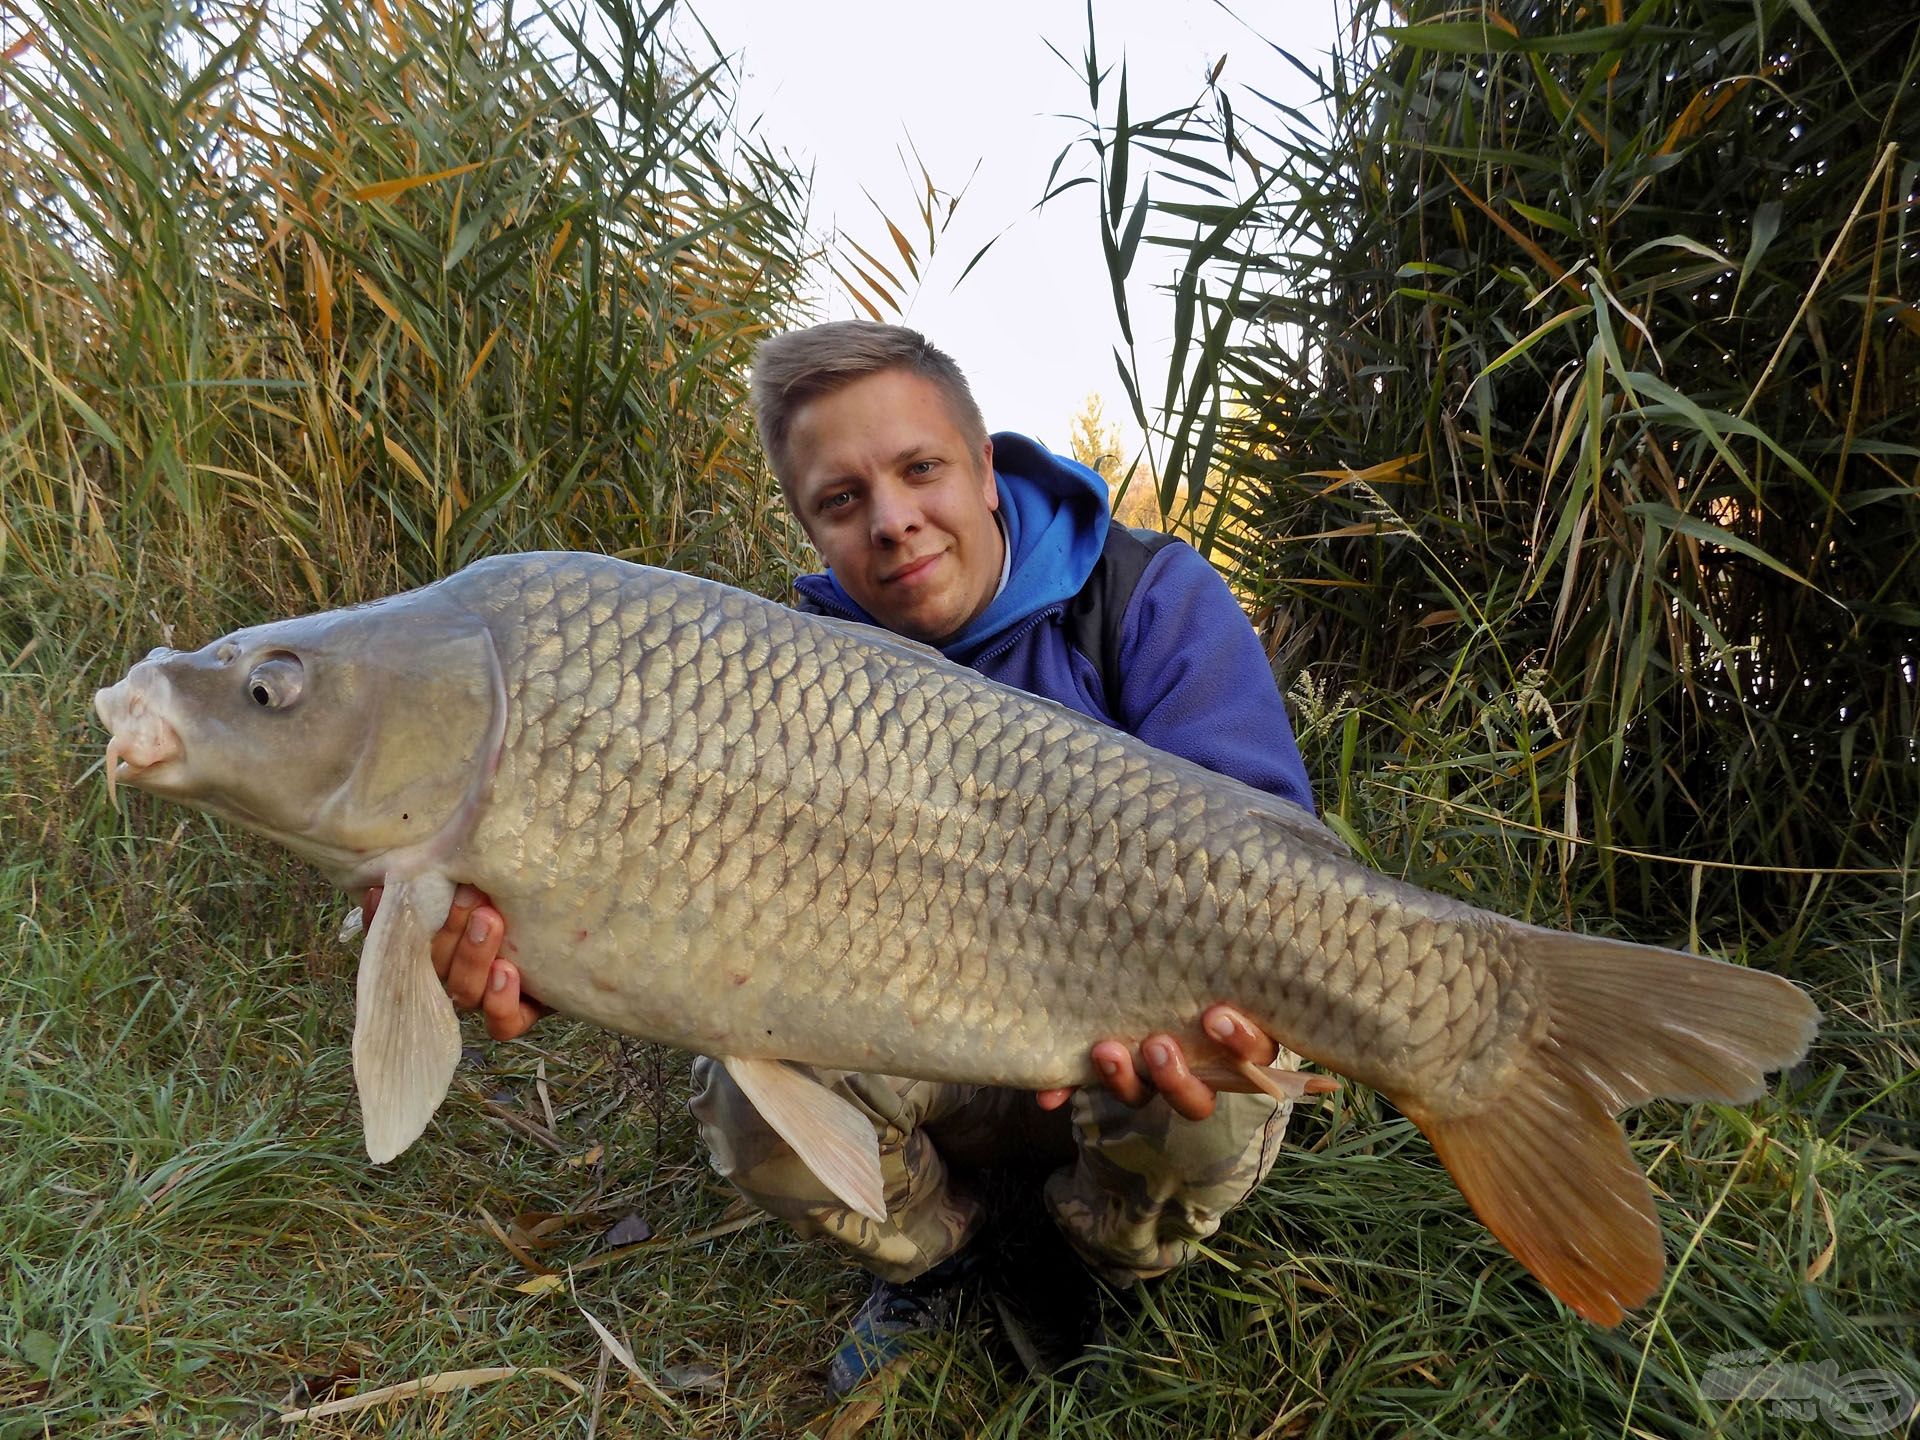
(1133, 1191)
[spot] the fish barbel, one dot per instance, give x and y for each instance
(765, 836)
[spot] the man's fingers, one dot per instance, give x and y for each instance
(509, 1013)
(447, 940)
(1238, 1035)
(1167, 1070)
(473, 956)
(1115, 1064)
(1053, 1099)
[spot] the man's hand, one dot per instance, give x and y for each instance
(1167, 1072)
(466, 957)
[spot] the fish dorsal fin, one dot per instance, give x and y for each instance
(1300, 826)
(406, 1036)
(828, 1133)
(886, 639)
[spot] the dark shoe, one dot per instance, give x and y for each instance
(892, 1315)
(1049, 1305)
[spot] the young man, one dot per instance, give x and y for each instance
(983, 546)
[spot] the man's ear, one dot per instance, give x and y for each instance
(986, 463)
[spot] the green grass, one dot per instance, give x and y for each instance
(195, 1240)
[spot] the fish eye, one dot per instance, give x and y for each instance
(275, 682)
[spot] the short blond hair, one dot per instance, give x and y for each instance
(802, 365)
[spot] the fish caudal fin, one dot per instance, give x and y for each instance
(406, 1036)
(1546, 1166)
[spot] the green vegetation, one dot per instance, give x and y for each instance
(1551, 387)
(1553, 399)
(384, 294)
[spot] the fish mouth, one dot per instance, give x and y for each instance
(143, 740)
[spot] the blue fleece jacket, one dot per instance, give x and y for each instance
(1194, 678)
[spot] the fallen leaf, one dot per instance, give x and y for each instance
(546, 1098)
(533, 1227)
(446, 1382)
(1825, 1257)
(855, 1416)
(625, 1356)
(697, 1376)
(514, 1248)
(629, 1230)
(317, 1389)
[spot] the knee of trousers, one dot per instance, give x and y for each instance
(926, 1221)
(750, 1155)
(1148, 1185)
(730, 1127)
(746, 1150)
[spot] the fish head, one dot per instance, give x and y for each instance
(347, 736)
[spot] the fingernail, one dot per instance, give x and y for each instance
(477, 929)
(1221, 1027)
(1157, 1055)
(497, 981)
(1109, 1068)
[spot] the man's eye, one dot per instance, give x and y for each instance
(921, 467)
(837, 501)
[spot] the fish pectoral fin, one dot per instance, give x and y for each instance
(828, 1133)
(406, 1036)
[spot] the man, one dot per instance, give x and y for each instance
(982, 546)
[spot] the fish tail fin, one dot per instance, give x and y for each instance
(1546, 1166)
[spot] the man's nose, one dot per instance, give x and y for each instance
(895, 513)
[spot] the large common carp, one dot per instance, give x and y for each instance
(767, 837)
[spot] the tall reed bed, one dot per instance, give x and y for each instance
(1550, 385)
(384, 287)
(1557, 376)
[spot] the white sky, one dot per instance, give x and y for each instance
(842, 85)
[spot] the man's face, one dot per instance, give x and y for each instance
(897, 502)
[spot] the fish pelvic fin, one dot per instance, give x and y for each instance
(1546, 1165)
(406, 1036)
(828, 1133)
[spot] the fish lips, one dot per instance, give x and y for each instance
(143, 740)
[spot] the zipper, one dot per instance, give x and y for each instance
(1014, 637)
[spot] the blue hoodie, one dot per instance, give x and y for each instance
(1194, 678)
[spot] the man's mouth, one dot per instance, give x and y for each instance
(912, 571)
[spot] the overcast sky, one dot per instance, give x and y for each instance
(843, 86)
